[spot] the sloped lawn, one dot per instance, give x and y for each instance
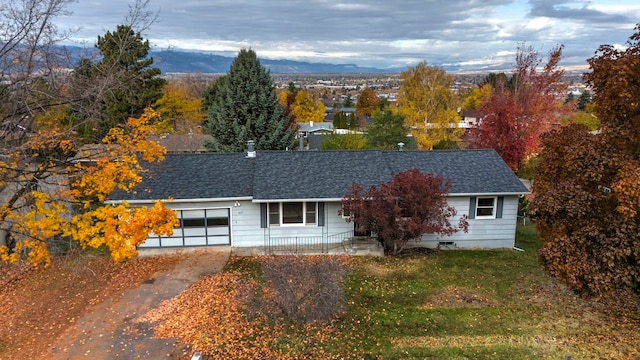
(428, 305)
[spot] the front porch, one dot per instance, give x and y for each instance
(344, 243)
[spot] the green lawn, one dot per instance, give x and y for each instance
(466, 304)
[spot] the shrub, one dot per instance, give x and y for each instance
(299, 289)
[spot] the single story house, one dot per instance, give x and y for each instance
(276, 198)
(308, 128)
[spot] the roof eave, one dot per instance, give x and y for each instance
(146, 201)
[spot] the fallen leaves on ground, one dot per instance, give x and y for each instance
(37, 306)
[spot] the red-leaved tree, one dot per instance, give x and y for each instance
(522, 109)
(403, 209)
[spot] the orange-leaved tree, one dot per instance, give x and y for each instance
(587, 186)
(54, 191)
(367, 102)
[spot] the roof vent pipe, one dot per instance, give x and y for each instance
(400, 146)
(251, 149)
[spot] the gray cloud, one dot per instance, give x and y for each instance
(381, 33)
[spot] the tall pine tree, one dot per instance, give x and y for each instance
(245, 107)
(119, 86)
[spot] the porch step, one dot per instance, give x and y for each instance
(363, 246)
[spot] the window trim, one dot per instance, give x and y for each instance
(304, 214)
(493, 207)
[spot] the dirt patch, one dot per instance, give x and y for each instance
(454, 296)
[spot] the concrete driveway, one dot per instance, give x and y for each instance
(109, 331)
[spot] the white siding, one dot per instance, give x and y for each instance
(246, 231)
(483, 233)
(245, 225)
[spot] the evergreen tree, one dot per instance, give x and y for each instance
(353, 121)
(584, 99)
(139, 87)
(121, 85)
(245, 107)
(210, 93)
(340, 120)
(387, 130)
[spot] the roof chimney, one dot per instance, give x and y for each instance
(251, 149)
(400, 146)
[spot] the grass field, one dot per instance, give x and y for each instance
(469, 305)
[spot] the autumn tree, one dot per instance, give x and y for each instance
(367, 103)
(521, 107)
(387, 130)
(52, 189)
(426, 99)
(478, 96)
(405, 208)
(305, 109)
(287, 99)
(498, 128)
(587, 188)
(245, 108)
(180, 112)
(42, 167)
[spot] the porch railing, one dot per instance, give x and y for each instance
(306, 244)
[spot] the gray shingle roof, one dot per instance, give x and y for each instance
(280, 175)
(195, 176)
(470, 171)
(316, 174)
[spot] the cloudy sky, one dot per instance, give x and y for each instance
(379, 33)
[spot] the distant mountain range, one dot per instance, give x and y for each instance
(185, 61)
(180, 61)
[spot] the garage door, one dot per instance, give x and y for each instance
(201, 227)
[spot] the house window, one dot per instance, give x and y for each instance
(293, 213)
(346, 212)
(486, 207)
(193, 222)
(311, 212)
(274, 214)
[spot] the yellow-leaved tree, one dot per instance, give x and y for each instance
(429, 105)
(305, 109)
(53, 189)
(181, 113)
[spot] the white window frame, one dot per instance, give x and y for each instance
(305, 221)
(493, 207)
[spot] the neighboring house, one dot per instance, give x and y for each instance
(270, 198)
(308, 128)
(470, 118)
